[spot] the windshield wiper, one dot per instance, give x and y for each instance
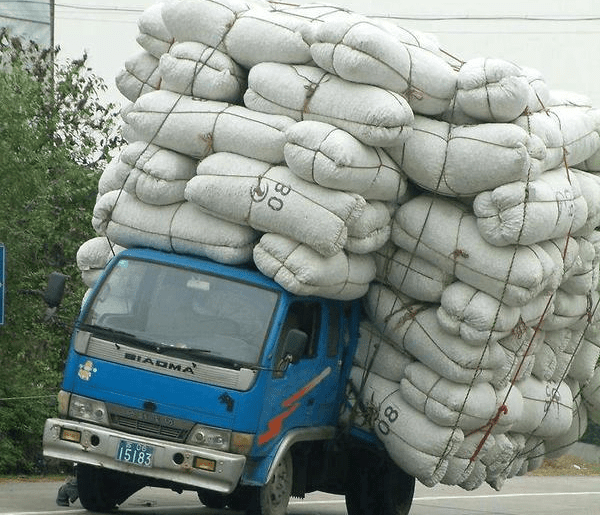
(122, 336)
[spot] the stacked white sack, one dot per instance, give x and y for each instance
(194, 69)
(300, 123)
(92, 257)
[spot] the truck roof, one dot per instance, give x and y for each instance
(245, 272)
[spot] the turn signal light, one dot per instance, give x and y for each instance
(70, 435)
(205, 464)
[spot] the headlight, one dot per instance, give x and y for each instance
(210, 437)
(88, 409)
(220, 439)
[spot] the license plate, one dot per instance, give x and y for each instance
(135, 453)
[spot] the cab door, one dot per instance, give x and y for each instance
(305, 392)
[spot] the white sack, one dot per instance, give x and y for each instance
(373, 115)
(198, 127)
(206, 21)
(361, 51)
(414, 443)
(145, 187)
(592, 164)
(415, 330)
(515, 463)
(410, 275)
(492, 90)
(498, 460)
(463, 160)
(159, 162)
(584, 278)
(539, 94)
(566, 355)
(272, 199)
(570, 310)
(194, 69)
(560, 97)
(547, 408)
(585, 358)
(153, 36)
(153, 174)
(568, 132)
(474, 315)
(326, 13)
(447, 403)
(534, 452)
(579, 128)
(181, 228)
(303, 271)
(321, 153)
(509, 407)
(371, 230)
(153, 190)
(140, 75)
(93, 256)
(519, 351)
(261, 35)
(590, 189)
(375, 353)
(545, 363)
(564, 252)
(551, 206)
(114, 176)
(561, 445)
(536, 309)
(465, 468)
(446, 234)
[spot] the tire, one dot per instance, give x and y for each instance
(213, 500)
(378, 487)
(103, 490)
(274, 497)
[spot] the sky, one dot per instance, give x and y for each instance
(563, 46)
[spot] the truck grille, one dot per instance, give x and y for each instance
(149, 424)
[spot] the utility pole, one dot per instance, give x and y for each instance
(51, 7)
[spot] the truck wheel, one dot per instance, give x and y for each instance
(102, 490)
(273, 498)
(213, 500)
(378, 487)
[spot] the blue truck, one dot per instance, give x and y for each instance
(188, 374)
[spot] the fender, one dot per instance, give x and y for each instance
(263, 473)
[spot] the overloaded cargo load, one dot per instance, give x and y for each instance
(347, 157)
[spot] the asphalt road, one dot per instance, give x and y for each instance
(577, 495)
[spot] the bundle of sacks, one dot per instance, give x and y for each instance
(348, 157)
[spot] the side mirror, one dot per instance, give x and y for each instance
(294, 346)
(56, 289)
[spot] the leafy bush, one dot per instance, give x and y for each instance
(55, 139)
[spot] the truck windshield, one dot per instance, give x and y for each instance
(183, 310)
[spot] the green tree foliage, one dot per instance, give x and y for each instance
(55, 138)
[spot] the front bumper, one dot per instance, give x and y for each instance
(172, 461)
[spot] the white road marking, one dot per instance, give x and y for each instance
(305, 502)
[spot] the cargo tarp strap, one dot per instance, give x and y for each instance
(310, 88)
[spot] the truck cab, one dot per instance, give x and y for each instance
(190, 374)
